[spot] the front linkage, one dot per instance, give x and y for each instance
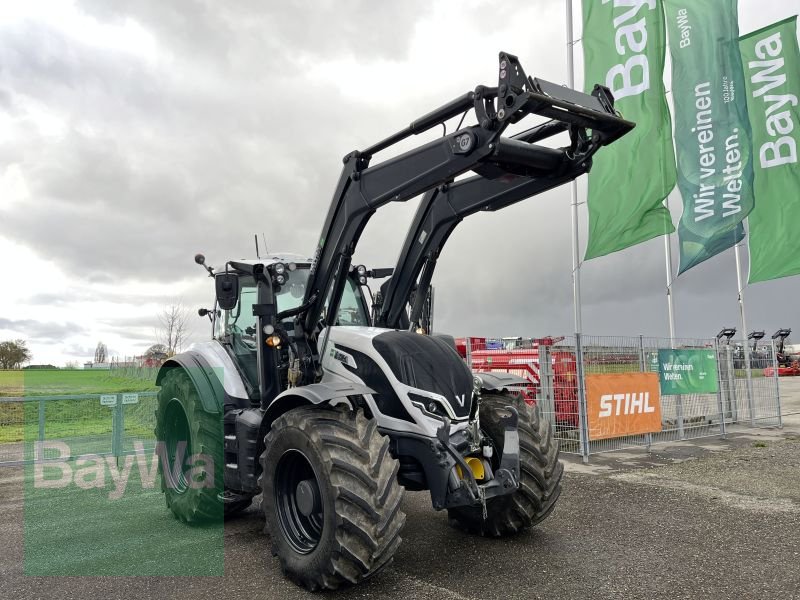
(467, 491)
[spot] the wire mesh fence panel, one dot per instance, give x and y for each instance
(695, 387)
(563, 385)
(12, 430)
(42, 428)
(548, 367)
(717, 390)
(134, 368)
(139, 422)
(693, 413)
(75, 427)
(751, 394)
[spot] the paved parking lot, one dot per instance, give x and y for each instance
(715, 518)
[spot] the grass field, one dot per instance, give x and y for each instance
(45, 382)
(69, 418)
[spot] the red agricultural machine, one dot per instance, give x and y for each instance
(520, 357)
(788, 365)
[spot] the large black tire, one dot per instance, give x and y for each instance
(180, 418)
(356, 531)
(540, 472)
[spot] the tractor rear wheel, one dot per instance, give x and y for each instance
(190, 442)
(540, 472)
(330, 496)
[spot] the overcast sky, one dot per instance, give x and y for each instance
(134, 134)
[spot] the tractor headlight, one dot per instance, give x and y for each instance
(280, 279)
(279, 268)
(362, 280)
(361, 270)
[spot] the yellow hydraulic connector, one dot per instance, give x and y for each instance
(475, 465)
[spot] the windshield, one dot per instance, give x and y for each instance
(241, 323)
(352, 310)
(291, 294)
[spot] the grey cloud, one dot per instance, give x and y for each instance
(239, 33)
(126, 322)
(78, 351)
(110, 199)
(228, 137)
(133, 335)
(40, 331)
(48, 299)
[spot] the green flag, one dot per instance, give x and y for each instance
(623, 48)
(712, 131)
(772, 68)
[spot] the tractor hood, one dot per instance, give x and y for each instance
(387, 356)
(428, 363)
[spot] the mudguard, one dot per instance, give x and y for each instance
(498, 382)
(205, 380)
(315, 393)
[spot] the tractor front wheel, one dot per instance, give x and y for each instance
(330, 496)
(540, 471)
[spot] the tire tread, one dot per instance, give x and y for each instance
(366, 495)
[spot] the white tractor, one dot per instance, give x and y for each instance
(300, 398)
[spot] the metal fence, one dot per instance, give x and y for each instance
(746, 396)
(38, 428)
(556, 369)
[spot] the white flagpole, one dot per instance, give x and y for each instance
(576, 261)
(745, 341)
(670, 305)
(741, 293)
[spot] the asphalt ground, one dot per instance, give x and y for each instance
(708, 519)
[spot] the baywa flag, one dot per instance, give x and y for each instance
(712, 130)
(772, 74)
(624, 43)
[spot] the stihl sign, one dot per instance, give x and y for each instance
(636, 403)
(623, 404)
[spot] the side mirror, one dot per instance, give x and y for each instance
(227, 285)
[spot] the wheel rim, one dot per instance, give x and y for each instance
(176, 432)
(298, 502)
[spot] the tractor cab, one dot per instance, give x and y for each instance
(235, 326)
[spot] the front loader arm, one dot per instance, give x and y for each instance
(362, 188)
(443, 208)
(440, 212)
